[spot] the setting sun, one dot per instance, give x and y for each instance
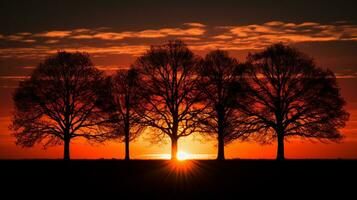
(182, 156)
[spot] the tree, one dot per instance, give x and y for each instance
(121, 100)
(290, 96)
(58, 103)
(221, 79)
(170, 94)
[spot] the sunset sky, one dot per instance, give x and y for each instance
(116, 32)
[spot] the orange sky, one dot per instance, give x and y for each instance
(143, 149)
(116, 32)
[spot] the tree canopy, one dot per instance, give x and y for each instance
(170, 93)
(290, 96)
(59, 103)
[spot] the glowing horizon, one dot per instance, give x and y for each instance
(114, 37)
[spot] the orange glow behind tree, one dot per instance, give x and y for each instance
(170, 93)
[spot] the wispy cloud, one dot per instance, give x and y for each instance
(190, 39)
(54, 34)
(159, 33)
(42, 51)
(15, 37)
(52, 41)
(24, 33)
(198, 36)
(19, 38)
(29, 41)
(82, 37)
(261, 35)
(222, 37)
(195, 24)
(81, 30)
(189, 30)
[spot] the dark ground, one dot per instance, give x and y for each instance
(180, 180)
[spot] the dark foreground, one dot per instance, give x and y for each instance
(179, 180)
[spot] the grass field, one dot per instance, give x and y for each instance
(180, 180)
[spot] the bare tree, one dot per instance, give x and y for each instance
(170, 91)
(290, 96)
(221, 80)
(121, 100)
(58, 103)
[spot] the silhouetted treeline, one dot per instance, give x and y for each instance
(169, 91)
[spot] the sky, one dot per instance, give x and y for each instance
(115, 33)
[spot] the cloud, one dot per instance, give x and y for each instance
(51, 41)
(18, 38)
(54, 34)
(29, 41)
(150, 33)
(15, 37)
(183, 32)
(43, 51)
(109, 36)
(274, 23)
(308, 24)
(109, 67)
(102, 33)
(82, 37)
(222, 37)
(257, 36)
(24, 33)
(221, 44)
(114, 50)
(196, 35)
(190, 38)
(251, 36)
(195, 24)
(81, 30)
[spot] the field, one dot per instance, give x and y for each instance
(179, 180)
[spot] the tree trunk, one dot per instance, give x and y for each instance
(220, 137)
(174, 148)
(127, 155)
(174, 137)
(280, 152)
(66, 150)
(220, 154)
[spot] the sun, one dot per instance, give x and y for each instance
(182, 156)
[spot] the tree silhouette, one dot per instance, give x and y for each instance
(289, 96)
(58, 103)
(221, 78)
(121, 100)
(170, 92)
